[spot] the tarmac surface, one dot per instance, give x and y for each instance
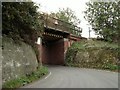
(73, 77)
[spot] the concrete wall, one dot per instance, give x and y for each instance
(18, 59)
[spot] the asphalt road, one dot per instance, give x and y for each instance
(70, 77)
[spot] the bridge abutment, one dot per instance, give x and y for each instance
(53, 52)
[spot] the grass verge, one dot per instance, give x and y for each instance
(16, 83)
(109, 67)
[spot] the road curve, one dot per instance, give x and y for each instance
(71, 77)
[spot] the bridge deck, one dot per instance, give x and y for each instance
(61, 26)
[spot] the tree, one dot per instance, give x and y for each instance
(104, 18)
(20, 21)
(68, 16)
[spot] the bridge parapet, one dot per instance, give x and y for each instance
(59, 25)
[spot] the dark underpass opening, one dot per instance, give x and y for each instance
(53, 46)
(53, 51)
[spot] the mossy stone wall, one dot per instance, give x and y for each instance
(18, 59)
(83, 56)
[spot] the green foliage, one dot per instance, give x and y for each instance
(66, 15)
(69, 18)
(20, 21)
(93, 54)
(113, 67)
(84, 44)
(16, 83)
(104, 18)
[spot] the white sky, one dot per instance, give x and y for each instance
(78, 6)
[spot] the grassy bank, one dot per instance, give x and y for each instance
(16, 83)
(93, 54)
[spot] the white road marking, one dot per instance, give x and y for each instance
(48, 75)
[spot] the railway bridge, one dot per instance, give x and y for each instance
(57, 37)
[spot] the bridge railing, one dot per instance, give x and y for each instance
(56, 24)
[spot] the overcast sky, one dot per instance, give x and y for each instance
(78, 6)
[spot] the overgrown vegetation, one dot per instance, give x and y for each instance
(67, 15)
(104, 17)
(21, 81)
(21, 21)
(93, 54)
(69, 19)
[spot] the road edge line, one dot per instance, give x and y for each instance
(48, 75)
